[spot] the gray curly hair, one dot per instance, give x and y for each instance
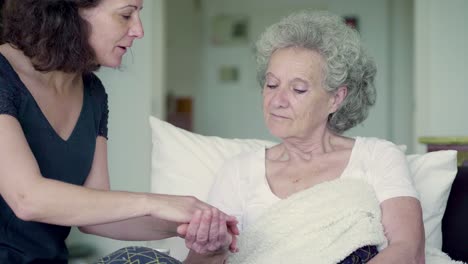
(347, 62)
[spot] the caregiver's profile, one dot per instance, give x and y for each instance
(53, 132)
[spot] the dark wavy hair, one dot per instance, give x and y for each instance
(51, 33)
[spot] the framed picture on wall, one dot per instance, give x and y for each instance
(229, 30)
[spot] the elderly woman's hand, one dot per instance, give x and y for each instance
(210, 232)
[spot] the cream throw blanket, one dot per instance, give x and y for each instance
(323, 224)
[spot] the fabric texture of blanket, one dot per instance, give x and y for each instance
(322, 224)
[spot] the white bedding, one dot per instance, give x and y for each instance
(323, 224)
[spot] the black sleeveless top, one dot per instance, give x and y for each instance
(68, 161)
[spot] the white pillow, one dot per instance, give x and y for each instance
(433, 175)
(182, 160)
(186, 163)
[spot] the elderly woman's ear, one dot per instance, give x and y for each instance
(337, 98)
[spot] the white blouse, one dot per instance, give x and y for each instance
(241, 187)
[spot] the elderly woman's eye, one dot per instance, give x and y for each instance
(300, 91)
(271, 86)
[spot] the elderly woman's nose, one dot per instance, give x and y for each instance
(280, 99)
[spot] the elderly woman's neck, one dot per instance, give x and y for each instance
(308, 148)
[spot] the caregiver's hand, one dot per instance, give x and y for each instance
(175, 208)
(210, 232)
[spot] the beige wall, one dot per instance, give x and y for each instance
(441, 68)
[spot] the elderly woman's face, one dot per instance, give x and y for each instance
(295, 104)
(115, 24)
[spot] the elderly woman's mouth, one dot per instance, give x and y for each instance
(279, 116)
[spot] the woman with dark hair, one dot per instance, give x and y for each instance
(53, 132)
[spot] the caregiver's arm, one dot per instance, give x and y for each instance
(402, 221)
(138, 228)
(33, 197)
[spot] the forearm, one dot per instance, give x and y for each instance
(399, 253)
(32, 197)
(55, 202)
(135, 229)
(403, 225)
(211, 258)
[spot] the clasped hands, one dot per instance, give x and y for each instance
(210, 231)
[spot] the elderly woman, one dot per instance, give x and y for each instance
(318, 196)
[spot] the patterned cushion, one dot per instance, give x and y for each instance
(130, 255)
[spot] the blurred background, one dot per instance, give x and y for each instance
(195, 68)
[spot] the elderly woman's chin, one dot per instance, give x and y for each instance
(279, 130)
